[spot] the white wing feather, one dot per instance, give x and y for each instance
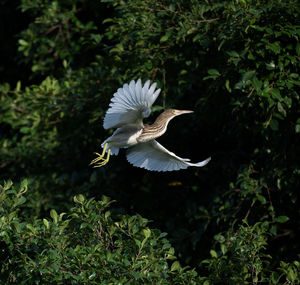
(153, 156)
(130, 104)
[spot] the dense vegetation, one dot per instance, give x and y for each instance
(235, 221)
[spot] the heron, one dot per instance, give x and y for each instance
(127, 109)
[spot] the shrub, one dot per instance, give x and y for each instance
(88, 245)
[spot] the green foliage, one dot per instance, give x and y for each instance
(57, 34)
(235, 63)
(241, 259)
(88, 245)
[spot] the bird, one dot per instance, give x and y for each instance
(127, 109)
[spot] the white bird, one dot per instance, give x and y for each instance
(128, 107)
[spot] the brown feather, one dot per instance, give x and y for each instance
(158, 128)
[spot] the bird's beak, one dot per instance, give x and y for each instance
(181, 112)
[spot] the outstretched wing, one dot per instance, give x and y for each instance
(153, 156)
(130, 104)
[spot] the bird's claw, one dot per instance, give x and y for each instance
(102, 163)
(97, 159)
(101, 158)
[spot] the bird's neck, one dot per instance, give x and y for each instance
(157, 129)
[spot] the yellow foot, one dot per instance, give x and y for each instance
(101, 160)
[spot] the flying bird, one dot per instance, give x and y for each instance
(128, 107)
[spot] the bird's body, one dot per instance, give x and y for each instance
(129, 106)
(125, 136)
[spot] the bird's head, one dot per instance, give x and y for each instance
(174, 112)
(165, 117)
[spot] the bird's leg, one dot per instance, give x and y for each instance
(101, 157)
(99, 164)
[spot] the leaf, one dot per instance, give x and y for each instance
(257, 84)
(138, 242)
(233, 53)
(197, 37)
(24, 184)
(213, 72)
(276, 94)
(53, 215)
(7, 185)
(18, 86)
(223, 248)
(273, 230)
(46, 223)
(292, 275)
(274, 125)
(270, 65)
(262, 199)
(281, 109)
(251, 56)
(117, 49)
(31, 228)
(175, 266)
(83, 225)
(163, 235)
(21, 200)
(275, 47)
(92, 276)
(25, 130)
(220, 238)
(22, 42)
(164, 38)
(282, 219)
(79, 199)
(107, 20)
(61, 216)
(288, 102)
(107, 214)
(247, 75)
(147, 232)
(227, 86)
(213, 253)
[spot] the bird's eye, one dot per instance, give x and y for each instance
(174, 112)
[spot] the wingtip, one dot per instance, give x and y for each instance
(204, 162)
